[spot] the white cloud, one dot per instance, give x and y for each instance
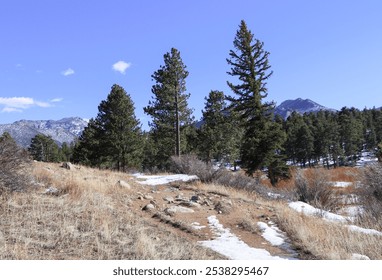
(18, 104)
(54, 100)
(68, 72)
(10, 110)
(121, 66)
(42, 104)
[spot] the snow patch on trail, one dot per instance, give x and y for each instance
(229, 245)
(271, 233)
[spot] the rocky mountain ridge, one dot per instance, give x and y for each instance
(299, 105)
(64, 130)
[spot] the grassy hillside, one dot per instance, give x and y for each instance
(86, 213)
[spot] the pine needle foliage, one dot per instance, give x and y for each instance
(263, 137)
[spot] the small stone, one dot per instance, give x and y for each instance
(178, 209)
(190, 204)
(123, 184)
(169, 199)
(194, 198)
(148, 207)
(52, 190)
(67, 165)
(148, 197)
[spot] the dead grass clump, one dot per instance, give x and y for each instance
(237, 180)
(343, 174)
(326, 240)
(248, 223)
(224, 206)
(166, 219)
(313, 188)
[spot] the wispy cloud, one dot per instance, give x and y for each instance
(68, 72)
(10, 110)
(121, 66)
(55, 100)
(19, 104)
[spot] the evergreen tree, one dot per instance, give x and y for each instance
(351, 133)
(114, 138)
(377, 120)
(169, 108)
(332, 132)
(263, 138)
(87, 148)
(43, 148)
(219, 136)
(66, 152)
(369, 130)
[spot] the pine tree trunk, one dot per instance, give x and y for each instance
(177, 126)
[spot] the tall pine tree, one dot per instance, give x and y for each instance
(263, 138)
(113, 139)
(169, 108)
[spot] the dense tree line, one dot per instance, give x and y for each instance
(44, 148)
(334, 138)
(235, 128)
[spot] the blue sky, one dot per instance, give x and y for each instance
(60, 58)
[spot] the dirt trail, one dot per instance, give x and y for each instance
(239, 214)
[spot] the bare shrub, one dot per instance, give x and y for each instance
(14, 165)
(371, 195)
(235, 180)
(315, 189)
(190, 164)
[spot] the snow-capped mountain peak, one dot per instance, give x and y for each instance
(300, 106)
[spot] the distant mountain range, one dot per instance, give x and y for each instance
(64, 130)
(68, 129)
(286, 108)
(299, 105)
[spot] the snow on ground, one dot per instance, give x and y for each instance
(271, 233)
(197, 226)
(341, 184)
(365, 230)
(309, 210)
(366, 158)
(274, 195)
(352, 211)
(154, 180)
(229, 245)
(359, 257)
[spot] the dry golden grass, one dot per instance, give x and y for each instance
(326, 240)
(89, 218)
